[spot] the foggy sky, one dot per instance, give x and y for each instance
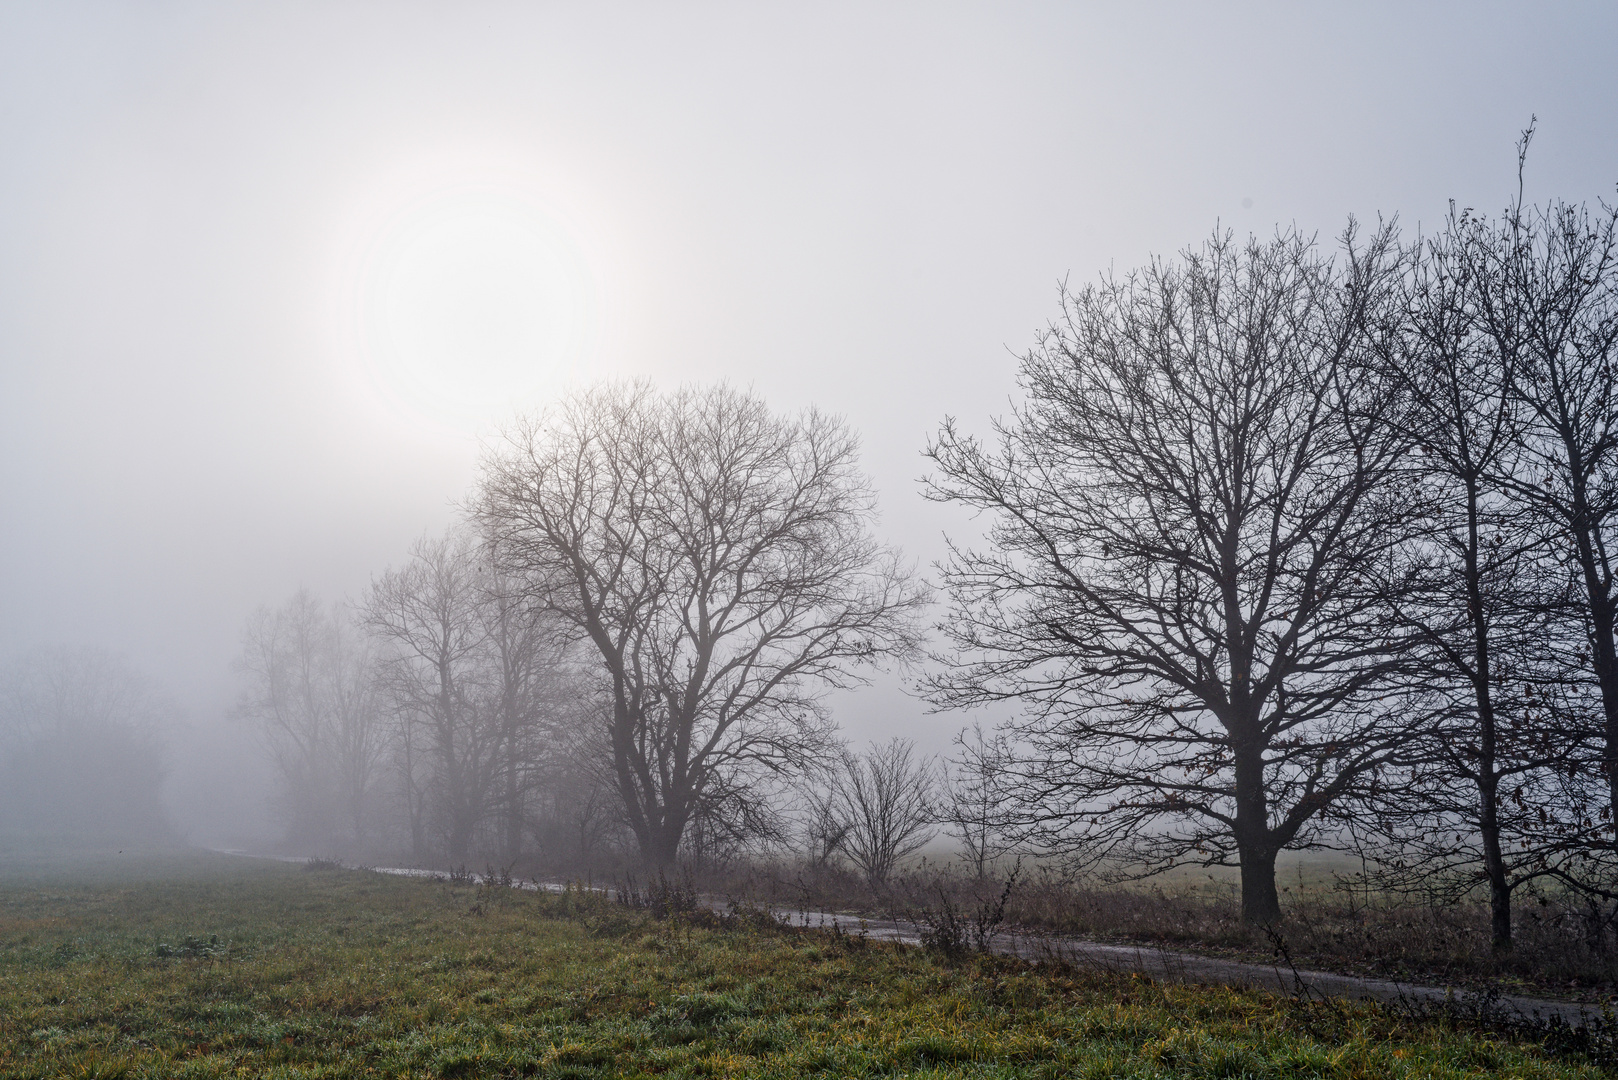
(239, 243)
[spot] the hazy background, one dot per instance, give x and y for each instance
(268, 272)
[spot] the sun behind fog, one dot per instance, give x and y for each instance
(472, 303)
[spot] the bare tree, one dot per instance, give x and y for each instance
(575, 815)
(1544, 287)
(883, 800)
(825, 826)
(1184, 512)
(1466, 588)
(970, 805)
(537, 700)
(430, 616)
(717, 562)
(311, 696)
(462, 682)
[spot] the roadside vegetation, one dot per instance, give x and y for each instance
(1329, 921)
(211, 966)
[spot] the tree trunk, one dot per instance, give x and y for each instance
(1494, 863)
(1606, 664)
(514, 809)
(1603, 623)
(1499, 909)
(1261, 906)
(418, 830)
(662, 849)
(1488, 778)
(1255, 848)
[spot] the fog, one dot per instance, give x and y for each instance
(272, 275)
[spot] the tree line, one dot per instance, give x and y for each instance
(1299, 549)
(1289, 546)
(81, 750)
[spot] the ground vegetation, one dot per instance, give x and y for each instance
(200, 968)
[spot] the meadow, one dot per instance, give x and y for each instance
(202, 965)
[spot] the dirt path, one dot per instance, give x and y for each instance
(1170, 966)
(1161, 964)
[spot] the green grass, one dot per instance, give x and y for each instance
(211, 966)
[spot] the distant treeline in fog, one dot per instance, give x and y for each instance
(621, 648)
(81, 758)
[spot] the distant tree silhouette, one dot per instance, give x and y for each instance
(81, 750)
(883, 802)
(311, 697)
(970, 802)
(477, 677)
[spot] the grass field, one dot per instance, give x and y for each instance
(202, 965)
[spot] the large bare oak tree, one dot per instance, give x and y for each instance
(1183, 511)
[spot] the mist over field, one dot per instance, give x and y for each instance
(278, 282)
